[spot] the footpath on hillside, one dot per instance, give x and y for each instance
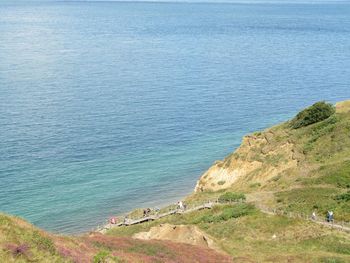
(124, 221)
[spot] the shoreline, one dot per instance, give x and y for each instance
(160, 206)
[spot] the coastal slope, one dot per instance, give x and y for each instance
(22, 242)
(268, 190)
(297, 168)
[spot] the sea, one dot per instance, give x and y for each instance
(110, 106)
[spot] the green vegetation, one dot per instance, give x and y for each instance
(227, 213)
(220, 213)
(221, 182)
(343, 197)
(105, 256)
(231, 197)
(151, 249)
(244, 232)
(20, 241)
(334, 174)
(316, 152)
(313, 114)
(332, 260)
(255, 185)
(320, 199)
(101, 256)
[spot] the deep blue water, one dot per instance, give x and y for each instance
(105, 107)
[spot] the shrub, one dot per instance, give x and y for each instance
(254, 185)
(332, 260)
(101, 257)
(315, 113)
(43, 242)
(227, 213)
(221, 182)
(231, 197)
(17, 250)
(343, 197)
(237, 211)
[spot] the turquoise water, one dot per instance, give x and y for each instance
(109, 106)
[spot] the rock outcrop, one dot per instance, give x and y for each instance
(187, 234)
(260, 157)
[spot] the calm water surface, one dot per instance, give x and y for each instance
(105, 107)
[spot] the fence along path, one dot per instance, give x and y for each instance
(339, 225)
(156, 215)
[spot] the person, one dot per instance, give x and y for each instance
(181, 205)
(144, 212)
(331, 216)
(157, 210)
(313, 216)
(113, 220)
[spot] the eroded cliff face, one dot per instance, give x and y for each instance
(187, 234)
(260, 157)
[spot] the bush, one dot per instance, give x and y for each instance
(18, 250)
(228, 212)
(343, 197)
(43, 242)
(101, 257)
(315, 113)
(231, 197)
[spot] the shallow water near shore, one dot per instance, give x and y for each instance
(109, 106)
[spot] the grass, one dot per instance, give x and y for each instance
(22, 242)
(320, 182)
(217, 214)
(151, 249)
(231, 197)
(244, 232)
(335, 174)
(343, 197)
(105, 256)
(319, 199)
(226, 213)
(326, 141)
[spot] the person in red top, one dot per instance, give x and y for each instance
(113, 220)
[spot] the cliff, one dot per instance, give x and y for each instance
(281, 152)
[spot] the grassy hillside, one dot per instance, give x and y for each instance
(299, 166)
(252, 236)
(21, 242)
(297, 169)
